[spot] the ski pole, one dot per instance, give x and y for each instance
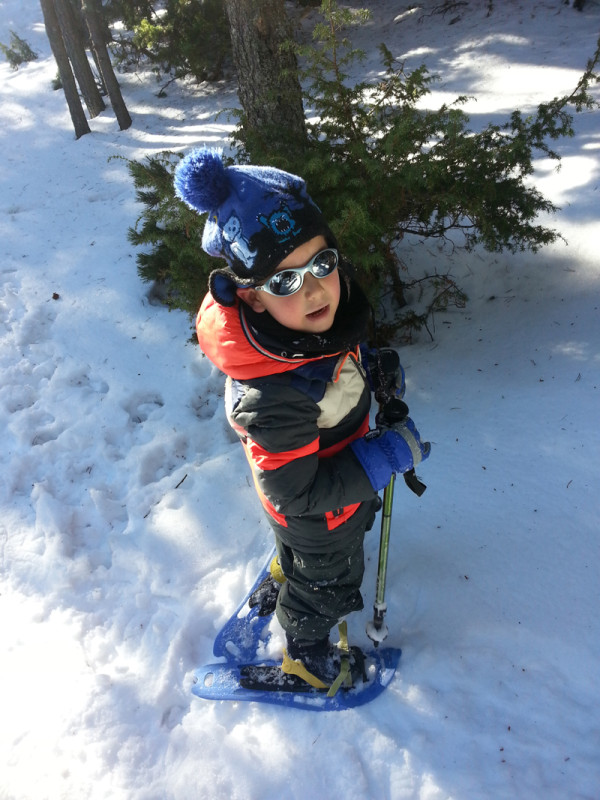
(377, 631)
(391, 413)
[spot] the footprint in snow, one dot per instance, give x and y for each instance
(140, 406)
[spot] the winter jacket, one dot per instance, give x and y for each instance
(295, 417)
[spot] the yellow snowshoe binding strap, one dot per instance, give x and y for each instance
(296, 667)
(345, 676)
(276, 571)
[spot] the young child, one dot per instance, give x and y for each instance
(284, 320)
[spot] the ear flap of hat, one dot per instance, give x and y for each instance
(222, 286)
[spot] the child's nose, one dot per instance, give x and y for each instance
(312, 285)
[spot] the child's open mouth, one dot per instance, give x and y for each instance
(321, 312)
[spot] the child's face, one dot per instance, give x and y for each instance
(310, 309)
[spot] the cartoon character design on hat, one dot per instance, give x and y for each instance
(232, 233)
(281, 223)
(256, 217)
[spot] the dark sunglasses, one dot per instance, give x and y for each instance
(289, 281)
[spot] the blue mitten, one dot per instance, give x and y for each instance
(396, 450)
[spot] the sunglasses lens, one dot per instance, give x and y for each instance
(324, 263)
(286, 282)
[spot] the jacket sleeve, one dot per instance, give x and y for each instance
(279, 426)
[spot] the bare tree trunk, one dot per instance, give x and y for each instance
(57, 44)
(107, 38)
(72, 34)
(97, 29)
(268, 85)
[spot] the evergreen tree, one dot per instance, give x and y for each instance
(170, 234)
(381, 168)
(187, 37)
(17, 52)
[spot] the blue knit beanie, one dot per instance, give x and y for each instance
(256, 217)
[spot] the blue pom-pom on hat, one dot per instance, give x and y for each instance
(201, 180)
(256, 216)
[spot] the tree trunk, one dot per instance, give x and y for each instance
(72, 34)
(268, 85)
(59, 51)
(96, 27)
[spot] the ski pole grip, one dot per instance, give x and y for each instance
(394, 412)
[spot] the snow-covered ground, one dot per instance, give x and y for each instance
(129, 529)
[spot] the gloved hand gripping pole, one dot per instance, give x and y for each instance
(393, 412)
